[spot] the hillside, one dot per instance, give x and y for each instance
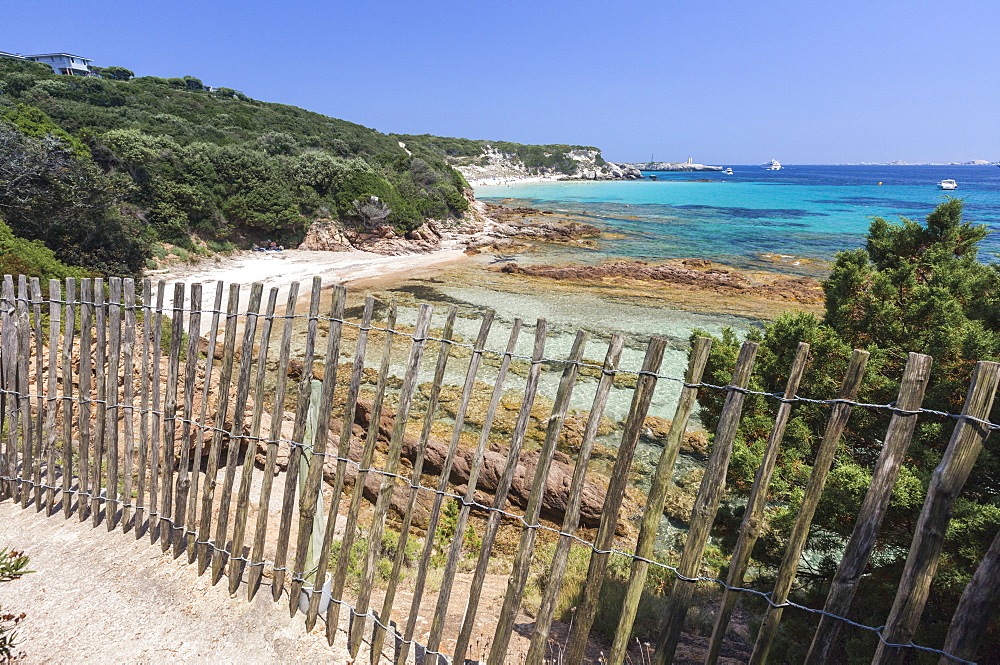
(99, 168)
(480, 159)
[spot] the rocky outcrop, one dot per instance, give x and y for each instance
(695, 274)
(330, 235)
(674, 166)
(586, 164)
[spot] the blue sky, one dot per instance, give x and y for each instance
(733, 81)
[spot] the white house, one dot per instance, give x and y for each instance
(61, 63)
(64, 63)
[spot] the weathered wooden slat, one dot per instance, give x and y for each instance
(101, 410)
(479, 347)
(660, 484)
(128, 397)
(312, 493)
(243, 497)
(388, 484)
(236, 433)
(277, 413)
(378, 636)
(40, 406)
(343, 452)
(8, 347)
(200, 428)
(869, 519)
(294, 448)
(522, 562)
(144, 389)
(67, 396)
(641, 399)
(206, 551)
(154, 443)
(500, 496)
(86, 379)
(458, 540)
(976, 608)
(367, 455)
(946, 482)
(796, 542)
(544, 616)
(756, 503)
(52, 401)
(183, 522)
(111, 395)
(24, 389)
(168, 525)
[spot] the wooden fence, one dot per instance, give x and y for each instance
(141, 413)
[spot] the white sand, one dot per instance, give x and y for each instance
(280, 269)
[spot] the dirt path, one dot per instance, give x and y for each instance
(100, 597)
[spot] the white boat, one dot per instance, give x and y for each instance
(948, 184)
(773, 165)
(729, 171)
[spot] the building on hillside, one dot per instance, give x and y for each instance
(61, 63)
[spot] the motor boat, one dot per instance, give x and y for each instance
(729, 171)
(773, 165)
(948, 184)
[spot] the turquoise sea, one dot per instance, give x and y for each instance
(804, 211)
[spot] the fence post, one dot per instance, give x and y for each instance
(111, 395)
(24, 389)
(274, 436)
(86, 378)
(378, 637)
(294, 447)
(243, 498)
(343, 453)
(167, 521)
(458, 539)
(8, 346)
(67, 399)
(839, 415)
(543, 619)
(645, 386)
(51, 403)
(311, 492)
(184, 471)
(367, 456)
(503, 488)
(706, 506)
(128, 396)
(154, 445)
(201, 425)
(236, 432)
(946, 482)
(478, 348)
(206, 549)
(40, 402)
(101, 412)
(976, 608)
(869, 520)
(525, 548)
(756, 503)
(658, 488)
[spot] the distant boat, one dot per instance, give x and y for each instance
(729, 171)
(948, 184)
(773, 165)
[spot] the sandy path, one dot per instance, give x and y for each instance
(100, 597)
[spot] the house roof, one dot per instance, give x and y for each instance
(68, 55)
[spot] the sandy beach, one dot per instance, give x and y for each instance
(281, 269)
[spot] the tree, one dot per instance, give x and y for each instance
(911, 287)
(117, 73)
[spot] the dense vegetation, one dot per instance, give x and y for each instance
(911, 288)
(117, 162)
(536, 158)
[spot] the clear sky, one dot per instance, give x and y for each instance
(723, 81)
